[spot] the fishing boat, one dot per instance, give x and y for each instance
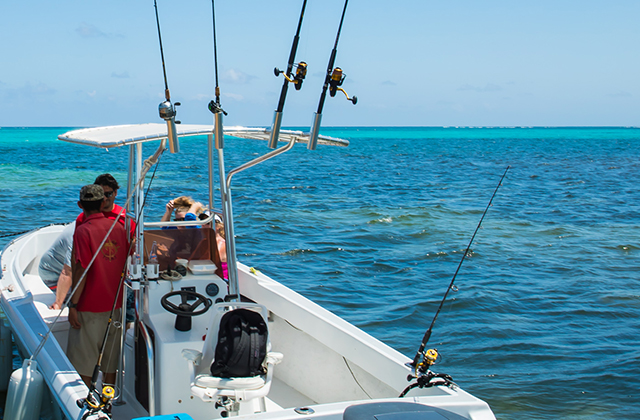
(318, 365)
(303, 361)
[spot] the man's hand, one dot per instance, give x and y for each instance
(55, 306)
(73, 318)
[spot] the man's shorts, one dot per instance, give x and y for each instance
(84, 344)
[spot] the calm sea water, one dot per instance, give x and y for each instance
(546, 322)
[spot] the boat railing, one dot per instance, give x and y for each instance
(182, 223)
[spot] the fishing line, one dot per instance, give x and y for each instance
(427, 335)
(93, 400)
(96, 370)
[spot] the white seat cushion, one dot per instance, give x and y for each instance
(208, 381)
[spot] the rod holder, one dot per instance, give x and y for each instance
(219, 132)
(275, 130)
(315, 131)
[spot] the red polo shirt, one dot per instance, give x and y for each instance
(103, 278)
(112, 215)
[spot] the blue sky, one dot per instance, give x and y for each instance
(420, 63)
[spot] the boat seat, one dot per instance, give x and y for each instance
(208, 387)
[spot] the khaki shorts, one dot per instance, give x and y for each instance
(83, 347)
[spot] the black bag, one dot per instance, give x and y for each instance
(242, 345)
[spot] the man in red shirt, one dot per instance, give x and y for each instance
(91, 304)
(109, 207)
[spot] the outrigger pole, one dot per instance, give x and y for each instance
(166, 109)
(429, 357)
(332, 81)
(301, 72)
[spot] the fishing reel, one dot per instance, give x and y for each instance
(301, 73)
(168, 113)
(337, 77)
(214, 106)
(424, 377)
(98, 404)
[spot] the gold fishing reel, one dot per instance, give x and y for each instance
(424, 377)
(301, 73)
(337, 77)
(108, 392)
(98, 403)
(429, 359)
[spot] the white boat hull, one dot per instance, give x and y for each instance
(328, 364)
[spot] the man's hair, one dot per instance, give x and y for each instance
(108, 180)
(91, 205)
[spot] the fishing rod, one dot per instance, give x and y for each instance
(332, 81)
(421, 368)
(301, 72)
(97, 401)
(166, 109)
(214, 106)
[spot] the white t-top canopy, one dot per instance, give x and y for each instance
(121, 135)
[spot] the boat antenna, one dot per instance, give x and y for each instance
(166, 109)
(332, 81)
(301, 72)
(429, 357)
(214, 106)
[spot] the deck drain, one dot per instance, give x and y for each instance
(304, 410)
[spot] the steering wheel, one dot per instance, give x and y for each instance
(185, 308)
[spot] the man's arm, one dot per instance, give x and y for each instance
(76, 272)
(64, 284)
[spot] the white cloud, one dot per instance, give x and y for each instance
(489, 87)
(121, 75)
(87, 30)
(237, 77)
(233, 96)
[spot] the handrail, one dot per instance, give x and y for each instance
(181, 223)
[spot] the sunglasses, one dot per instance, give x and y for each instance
(178, 219)
(109, 194)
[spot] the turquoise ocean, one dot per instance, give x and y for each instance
(546, 321)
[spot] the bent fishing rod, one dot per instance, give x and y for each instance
(429, 357)
(332, 82)
(301, 72)
(166, 109)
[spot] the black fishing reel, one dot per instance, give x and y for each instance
(424, 377)
(301, 73)
(98, 404)
(215, 108)
(337, 78)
